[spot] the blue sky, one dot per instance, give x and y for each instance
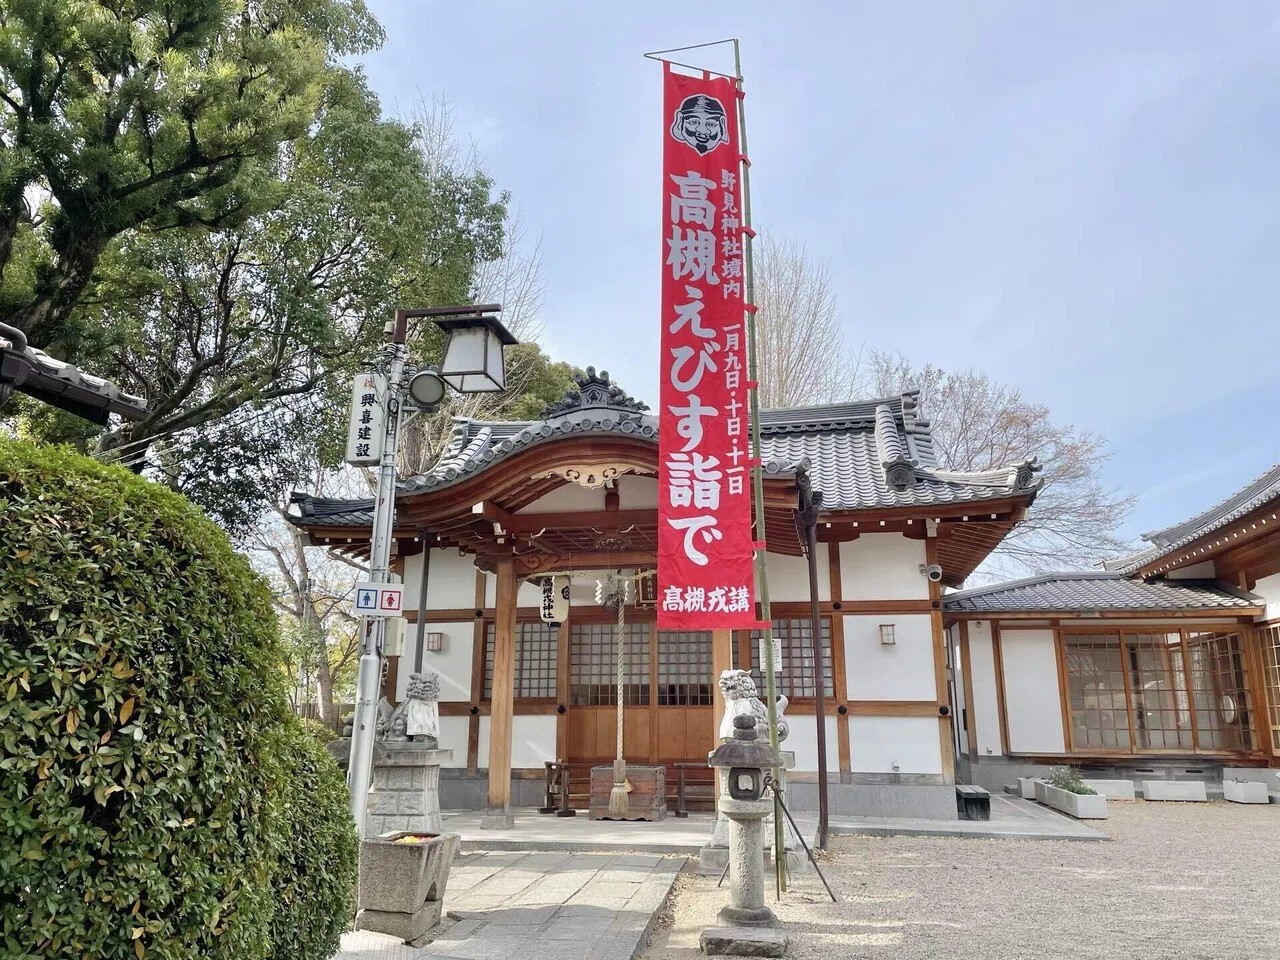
(1081, 200)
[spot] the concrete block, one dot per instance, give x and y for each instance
(744, 942)
(1245, 791)
(405, 926)
(1174, 790)
(1027, 788)
(1114, 789)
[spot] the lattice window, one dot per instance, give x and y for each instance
(1160, 709)
(1096, 687)
(1219, 691)
(535, 677)
(593, 664)
(797, 678)
(1270, 637)
(684, 668)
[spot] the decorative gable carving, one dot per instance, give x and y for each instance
(594, 390)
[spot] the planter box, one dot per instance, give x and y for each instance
(1027, 788)
(1080, 806)
(1245, 791)
(1114, 789)
(1041, 791)
(1175, 790)
(401, 877)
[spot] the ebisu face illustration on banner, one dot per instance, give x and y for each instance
(705, 571)
(701, 123)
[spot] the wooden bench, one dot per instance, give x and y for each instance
(972, 803)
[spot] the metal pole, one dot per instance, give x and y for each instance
(370, 670)
(757, 477)
(809, 504)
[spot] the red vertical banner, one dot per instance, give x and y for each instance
(705, 566)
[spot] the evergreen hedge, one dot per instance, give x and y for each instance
(149, 770)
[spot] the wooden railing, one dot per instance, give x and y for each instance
(567, 787)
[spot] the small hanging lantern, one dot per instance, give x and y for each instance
(474, 357)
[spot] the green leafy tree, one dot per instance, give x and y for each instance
(146, 113)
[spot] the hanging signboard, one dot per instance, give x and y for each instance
(705, 571)
(555, 599)
(366, 428)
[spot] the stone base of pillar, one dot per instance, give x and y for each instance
(403, 926)
(497, 819)
(743, 917)
(744, 942)
(405, 791)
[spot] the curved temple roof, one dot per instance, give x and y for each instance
(1163, 542)
(1083, 592)
(864, 455)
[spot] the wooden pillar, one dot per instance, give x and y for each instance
(721, 660)
(504, 650)
(838, 654)
(946, 740)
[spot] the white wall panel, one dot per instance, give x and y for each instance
(903, 671)
(882, 566)
(803, 741)
(1269, 589)
(451, 581)
(1031, 697)
(453, 736)
(452, 662)
(789, 577)
(985, 712)
(533, 740)
(877, 743)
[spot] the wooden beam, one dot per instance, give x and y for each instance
(894, 708)
(501, 702)
(1064, 687)
(997, 655)
(838, 654)
(563, 641)
(946, 736)
(721, 660)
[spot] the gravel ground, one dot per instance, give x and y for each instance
(1186, 881)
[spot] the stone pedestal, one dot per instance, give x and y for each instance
(713, 857)
(405, 790)
(746, 874)
(402, 885)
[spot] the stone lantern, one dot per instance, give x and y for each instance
(743, 801)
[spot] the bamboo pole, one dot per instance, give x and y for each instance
(757, 477)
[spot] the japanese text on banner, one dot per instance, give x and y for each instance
(705, 569)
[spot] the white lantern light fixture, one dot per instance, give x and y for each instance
(474, 357)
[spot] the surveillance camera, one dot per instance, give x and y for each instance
(932, 571)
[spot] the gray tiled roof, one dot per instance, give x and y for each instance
(1054, 592)
(1262, 490)
(875, 453)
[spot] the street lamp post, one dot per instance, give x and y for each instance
(474, 362)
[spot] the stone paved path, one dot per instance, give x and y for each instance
(539, 906)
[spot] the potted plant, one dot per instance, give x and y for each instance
(1067, 792)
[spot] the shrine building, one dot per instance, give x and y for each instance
(511, 503)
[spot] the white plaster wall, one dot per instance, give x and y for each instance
(1197, 571)
(903, 671)
(1269, 589)
(533, 741)
(789, 577)
(803, 740)
(452, 662)
(451, 581)
(1031, 697)
(453, 736)
(637, 493)
(570, 498)
(882, 566)
(528, 593)
(877, 743)
(985, 712)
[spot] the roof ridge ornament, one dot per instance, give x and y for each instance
(593, 390)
